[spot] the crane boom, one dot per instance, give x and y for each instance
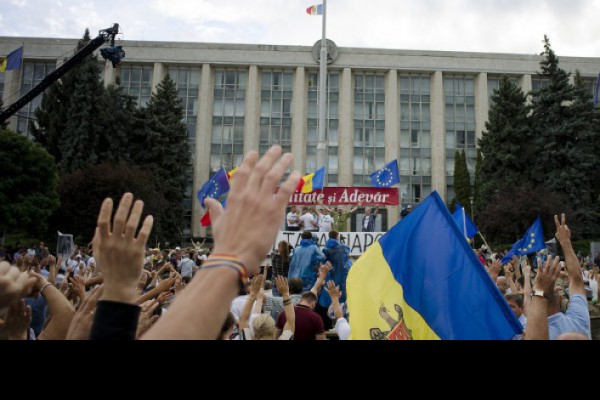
(115, 54)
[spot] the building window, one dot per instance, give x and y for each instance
(415, 138)
(276, 110)
(459, 94)
(493, 83)
(227, 137)
(538, 83)
(136, 80)
(33, 73)
(369, 126)
(187, 82)
(331, 127)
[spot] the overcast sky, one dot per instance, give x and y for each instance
(499, 26)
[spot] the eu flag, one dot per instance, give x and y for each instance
(421, 280)
(464, 222)
(532, 241)
(214, 187)
(386, 176)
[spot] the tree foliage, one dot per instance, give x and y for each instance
(83, 191)
(462, 180)
(28, 188)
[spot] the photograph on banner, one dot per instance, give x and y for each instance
(358, 242)
(64, 246)
(347, 196)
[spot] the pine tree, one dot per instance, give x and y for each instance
(477, 201)
(505, 144)
(117, 120)
(462, 180)
(561, 120)
(160, 144)
(78, 144)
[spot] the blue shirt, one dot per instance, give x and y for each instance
(576, 319)
(305, 258)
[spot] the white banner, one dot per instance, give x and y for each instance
(359, 242)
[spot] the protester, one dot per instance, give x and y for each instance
(368, 220)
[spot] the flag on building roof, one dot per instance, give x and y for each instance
(317, 9)
(12, 61)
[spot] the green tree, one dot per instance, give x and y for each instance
(462, 180)
(78, 143)
(563, 161)
(477, 201)
(28, 188)
(118, 121)
(83, 191)
(506, 143)
(159, 143)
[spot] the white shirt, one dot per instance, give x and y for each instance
(342, 327)
(292, 216)
(187, 267)
(326, 223)
(307, 220)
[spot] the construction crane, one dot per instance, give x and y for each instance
(113, 53)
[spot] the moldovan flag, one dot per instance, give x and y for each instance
(311, 182)
(231, 173)
(205, 220)
(12, 60)
(317, 9)
(421, 280)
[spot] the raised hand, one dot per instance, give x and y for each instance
(547, 275)
(282, 286)
(147, 317)
(256, 285)
(117, 249)
(77, 285)
(13, 284)
(251, 207)
(563, 233)
(81, 325)
(334, 291)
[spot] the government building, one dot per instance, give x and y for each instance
(415, 106)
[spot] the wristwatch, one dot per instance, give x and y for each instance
(539, 293)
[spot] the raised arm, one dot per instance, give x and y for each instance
(527, 285)
(563, 235)
(323, 271)
(244, 233)
(537, 318)
(288, 307)
(255, 286)
(58, 306)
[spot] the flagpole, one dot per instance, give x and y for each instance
(322, 143)
(486, 245)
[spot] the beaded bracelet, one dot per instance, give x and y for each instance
(228, 262)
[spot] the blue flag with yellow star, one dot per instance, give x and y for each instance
(386, 176)
(530, 243)
(214, 187)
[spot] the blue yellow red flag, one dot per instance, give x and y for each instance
(421, 280)
(311, 182)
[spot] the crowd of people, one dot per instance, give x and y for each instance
(118, 288)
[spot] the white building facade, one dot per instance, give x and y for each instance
(415, 106)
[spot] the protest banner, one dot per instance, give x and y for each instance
(358, 242)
